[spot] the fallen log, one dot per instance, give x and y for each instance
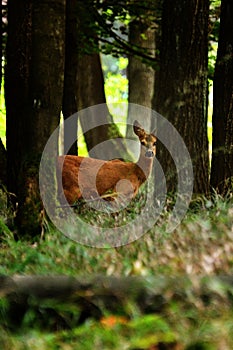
(83, 298)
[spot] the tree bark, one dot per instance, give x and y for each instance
(181, 85)
(33, 89)
(91, 93)
(16, 84)
(70, 77)
(222, 156)
(140, 75)
(142, 35)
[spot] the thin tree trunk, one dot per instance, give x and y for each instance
(71, 66)
(91, 94)
(222, 156)
(141, 75)
(142, 34)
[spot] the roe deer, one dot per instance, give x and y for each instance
(77, 172)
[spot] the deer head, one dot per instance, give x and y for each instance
(148, 141)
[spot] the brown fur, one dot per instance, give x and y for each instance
(77, 172)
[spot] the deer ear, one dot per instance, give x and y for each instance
(137, 128)
(154, 132)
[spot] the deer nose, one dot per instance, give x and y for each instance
(149, 153)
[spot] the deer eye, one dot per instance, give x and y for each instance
(143, 143)
(154, 144)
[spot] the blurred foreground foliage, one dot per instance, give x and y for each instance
(187, 270)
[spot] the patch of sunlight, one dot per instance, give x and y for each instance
(2, 116)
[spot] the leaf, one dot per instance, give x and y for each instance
(112, 320)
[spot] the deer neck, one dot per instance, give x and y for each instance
(144, 165)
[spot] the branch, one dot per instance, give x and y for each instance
(122, 44)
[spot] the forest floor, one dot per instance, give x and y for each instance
(187, 268)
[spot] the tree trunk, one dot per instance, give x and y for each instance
(141, 75)
(181, 84)
(34, 87)
(96, 122)
(71, 66)
(222, 156)
(90, 91)
(91, 94)
(50, 299)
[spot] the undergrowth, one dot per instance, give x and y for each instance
(202, 245)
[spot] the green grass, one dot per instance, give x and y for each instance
(202, 245)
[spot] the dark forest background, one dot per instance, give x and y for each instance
(51, 64)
